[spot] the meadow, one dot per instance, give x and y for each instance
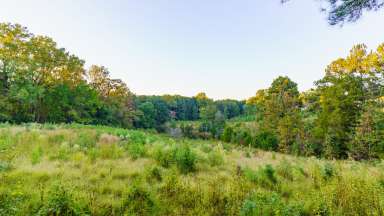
(73, 169)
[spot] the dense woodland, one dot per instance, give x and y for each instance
(341, 117)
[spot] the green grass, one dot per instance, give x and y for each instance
(96, 170)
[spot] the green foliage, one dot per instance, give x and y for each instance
(216, 158)
(185, 159)
(139, 201)
(4, 166)
(265, 176)
(340, 12)
(285, 170)
(136, 150)
(266, 140)
(328, 171)
(164, 156)
(102, 180)
(269, 204)
(60, 201)
(36, 155)
(181, 155)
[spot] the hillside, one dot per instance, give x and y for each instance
(90, 170)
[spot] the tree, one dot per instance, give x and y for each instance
(202, 100)
(367, 142)
(341, 11)
(282, 107)
(147, 116)
(208, 112)
(350, 84)
(115, 94)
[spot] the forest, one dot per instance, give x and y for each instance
(341, 117)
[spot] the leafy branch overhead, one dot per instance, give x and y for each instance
(341, 11)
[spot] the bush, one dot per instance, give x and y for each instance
(139, 201)
(181, 155)
(265, 176)
(86, 140)
(185, 159)
(136, 137)
(227, 134)
(164, 156)
(61, 202)
(269, 204)
(215, 158)
(328, 171)
(154, 173)
(266, 140)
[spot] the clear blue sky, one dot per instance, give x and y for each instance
(226, 48)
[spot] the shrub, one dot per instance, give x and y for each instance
(269, 204)
(265, 176)
(227, 134)
(154, 173)
(60, 201)
(139, 201)
(181, 155)
(328, 171)
(266, 140)
(86, 140)
(136, 150)
(164, 156)
(269, 172)
(9, 204)
(188, 131)
(185, 159)
(136, 137)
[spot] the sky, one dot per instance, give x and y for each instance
(226, 48)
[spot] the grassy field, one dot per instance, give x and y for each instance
(84, 170)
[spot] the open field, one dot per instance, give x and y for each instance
(84, 170)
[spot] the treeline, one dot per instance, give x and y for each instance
(40, 82)
(155, 111)
(341, 117)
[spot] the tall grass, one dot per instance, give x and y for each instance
(97, 170)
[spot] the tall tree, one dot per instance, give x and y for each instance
(282, 106)
(350, 85)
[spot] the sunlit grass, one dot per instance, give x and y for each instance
(97, 170)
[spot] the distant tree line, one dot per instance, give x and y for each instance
(40, 82)
(341, 117)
